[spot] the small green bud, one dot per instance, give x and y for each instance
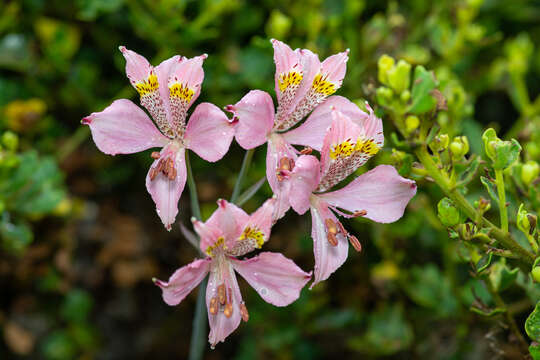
(459, 147)
(399, 77)
(502, 153)
(439, 143)
(448, 213)
(10, 140)
(523, 222)
(536, 273)
(398, 156)
(278, 25)
(529, 172)
(411, 123)
(384, 96)
(385, 64)
(405, 96)
(482, 205)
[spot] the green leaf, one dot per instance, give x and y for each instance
(532, 324)
(448, 213)
(424, 83)
(501, 276)
(484, 262)
(76, 306)
(534, 350)
(467, 172)
(491, 188)
(487, 313)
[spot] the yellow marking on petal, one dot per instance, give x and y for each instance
(181, 91)
(147, 86)
(323, 86)
(253, 233)
(367, 147)
(292, 78)
(342, 150)
(220, 242)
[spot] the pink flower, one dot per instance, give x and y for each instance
(167, 91)
(227, 234)
(302, 82)
(379, 194)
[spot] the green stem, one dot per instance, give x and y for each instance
(197, 344)
(243, 171)
(80, 135)
(499, 181)
(195, 208)
(504, 238)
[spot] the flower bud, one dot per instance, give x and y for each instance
(411, 123)
(439, 143)
(502, 153)
(529, 172)
(278, 25)
(399, 77)
(405, 96)
(448, 213)
(482, 205)
(526, 222)
(459, 147)
(10, 140)
(384, 96)
(535, 273)
(385, 64)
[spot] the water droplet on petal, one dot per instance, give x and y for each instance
(263, 291)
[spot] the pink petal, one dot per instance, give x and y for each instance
(278, 280)
(163, 71)
(278, 149)
(137, 67)
(304, 180)
(183, 281)
(184, 87)
(220, 325)
(255, 114)
(123, 128)
(208, 233)
(209, 132)
(230, 220)
(381, 192)
(262, 218)
(165, 192)
(334, 68)
(286, 61)
(328, 258)
(311, 133)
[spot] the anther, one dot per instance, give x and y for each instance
(306, 151)
(330, 226)
(332, 239)
(355, 243)
(244, 312)
(153, 173)
(228, 310)
(155, 155)
(285, 164)
(172, 174)
(213, 306)
(360, 213)
(291, 164)
(222, 294)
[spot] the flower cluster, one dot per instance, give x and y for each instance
(344, 135)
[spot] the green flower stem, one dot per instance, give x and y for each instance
(499, 181)
(243, 171)
(198, 337)
(504, 238)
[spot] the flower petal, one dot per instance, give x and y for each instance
(137, 67)
(256, 231)
(123, 128)
(184, 87)
(278, 280)
(333, 68)
(183, 281)
(209, 132)
(328, 258)
(164, 191)
(220, 325)
(277, 150)
(255, 114)
(304, 180)
(230, 220)
(381, 192)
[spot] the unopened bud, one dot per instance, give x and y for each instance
(439, 143)
(411, 123)
(10, 140)
(482, 204)
(502, 153)
(529, 172)
(405, 96)
(385, 64)
(535, 273)
(459, 147)
(384, 96)
(448, 213)
(399, 76)
(526, 222)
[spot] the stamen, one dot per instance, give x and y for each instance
(153, 173)
(155, 155)
(332, 239)
(244, 312)
(221, 294)
(360, 213)
(306, 151)
(355, 243)
(330, 226)
(228, 310)
(285, 164)
(291, 164)
(213, 306)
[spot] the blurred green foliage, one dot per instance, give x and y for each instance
(79, 237)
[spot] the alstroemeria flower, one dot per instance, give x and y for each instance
(227, 234)
(379, 194)
(302, 82)
(166, 91)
